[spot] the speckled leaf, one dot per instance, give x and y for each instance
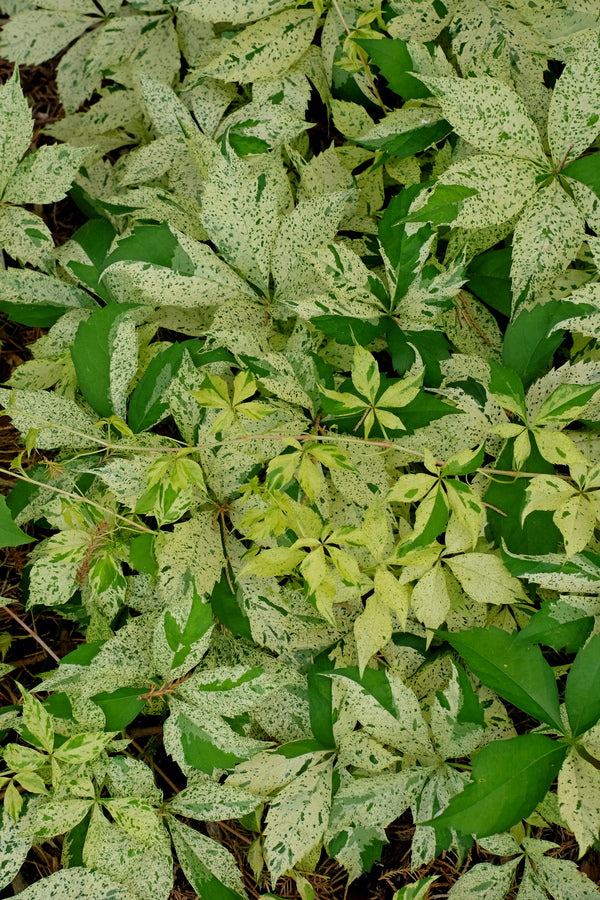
(17, 127)
(182, 636)
(580, 573)
(55, 817)
(210, 868)
(563, 879)
(266, 49)
(387, 708)
(77, 884)
(191, 553)
(46, 175)
(485, 881)
(137, 817)
(164, 108)
(297, 819)
(240, 215)
(146, 869)
(209, 801)
(75, 80)
(488, 114)
(420, 20)
(576, 520)
(546, 239)
(430, 599)
(15, 847)
(26, 237)
(34, 36)
(36, 299)
(313, 223)
(573, 117)
(105, 358)
(503, 187)
(579, 799)
(486, 579)
(237, 12)
(58, 420)
(139, 282)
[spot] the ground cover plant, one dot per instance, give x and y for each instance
(310, 441)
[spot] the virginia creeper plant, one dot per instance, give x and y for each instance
(310, 441)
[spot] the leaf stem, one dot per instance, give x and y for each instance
(33, 634)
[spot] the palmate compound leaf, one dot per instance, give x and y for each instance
(510, 777)
(515, 670)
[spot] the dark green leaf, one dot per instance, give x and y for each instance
(92, 354)
(154, 244)
(392, 58)
(509, 779)
(528, 345)
(442, 206)
(228, 610)
(557, 633)
(120, 707)
(517, 671)
(348, 330)
(586, 169)
(507, 388)
(200, 751)
(408, 143)
(141, 554)
(95, 238)
(489, 279)
(10, 534)
(582, 692)
(148, 402)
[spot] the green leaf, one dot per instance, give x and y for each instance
(582, 696)
(530, 339)
(507, 388)
(510, 777)
(210, 868)
(105, 358)
(409, 142)
(120, 707)
(515, 670)
(10, 534)
(558, 625)
(489, 279)
(149, 403)
(392, 58)
(586, 169)
(443, 205)
(85, 254)
(17, 126)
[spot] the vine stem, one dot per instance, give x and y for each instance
(33, 634)
(361, 56)
(136, 525)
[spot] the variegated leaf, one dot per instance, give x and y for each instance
(17, 127)
(546, 239)
(31, 37)
(488, 114)
(266, 49)
(573, 117)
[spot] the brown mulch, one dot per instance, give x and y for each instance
(30, 660)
